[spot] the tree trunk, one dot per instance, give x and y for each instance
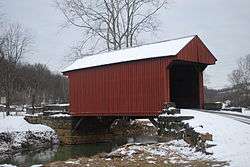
(8, 104)
(33, 101)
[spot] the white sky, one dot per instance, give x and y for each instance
(223, 25)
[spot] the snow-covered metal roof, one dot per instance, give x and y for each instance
(160, 49)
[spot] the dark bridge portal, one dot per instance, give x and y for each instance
(184, 84)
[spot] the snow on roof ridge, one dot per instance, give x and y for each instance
(150, 43)
(168, 47)
(166, 40)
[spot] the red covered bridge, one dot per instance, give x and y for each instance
(138, 81)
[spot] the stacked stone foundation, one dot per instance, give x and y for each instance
(77, 130)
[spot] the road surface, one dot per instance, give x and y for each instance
(242, 118)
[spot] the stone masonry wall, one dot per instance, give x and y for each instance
(77, 130)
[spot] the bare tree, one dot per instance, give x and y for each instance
(16, 42)
(1, 49)
(36, 83)
(15, 45)
(240, 80)
(1, 39)
(117, 23)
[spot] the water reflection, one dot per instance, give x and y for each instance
(60, 153)
(31, 157)
(56, 154)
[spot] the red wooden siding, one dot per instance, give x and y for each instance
(196, 51)
(132, 88)
(135, 88)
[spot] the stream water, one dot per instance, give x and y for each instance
(60, 153)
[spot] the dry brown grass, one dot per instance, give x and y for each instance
(138, 160)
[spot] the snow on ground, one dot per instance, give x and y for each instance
(61, 105)
(7, 165)
(144, 121)
(12, 113)
(18, 124)
(232, 138)
(72, 162)
(60, 115)
(175, 152)
(177, 147)
(39, 165)
(245, 112)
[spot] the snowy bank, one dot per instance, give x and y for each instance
(174, 149)
(18, 124)
(232, 138)
(16, 135)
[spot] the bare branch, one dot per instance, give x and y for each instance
(116, 23)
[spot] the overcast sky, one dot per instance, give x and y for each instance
(223, 25)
